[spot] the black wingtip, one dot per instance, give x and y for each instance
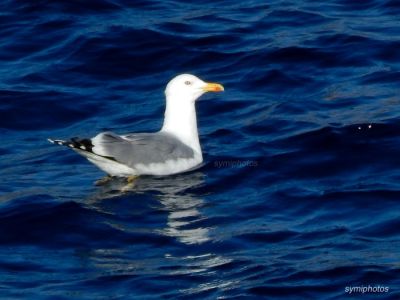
(75, 143)
(58, 142)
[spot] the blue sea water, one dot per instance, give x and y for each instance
(299, 196)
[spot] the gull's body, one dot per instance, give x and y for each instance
(174, 149)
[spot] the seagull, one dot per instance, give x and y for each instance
(174, 149)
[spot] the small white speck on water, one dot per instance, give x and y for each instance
(369, 126)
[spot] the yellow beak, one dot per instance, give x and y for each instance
(213, 87)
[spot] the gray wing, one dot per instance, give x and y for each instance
(140, 148)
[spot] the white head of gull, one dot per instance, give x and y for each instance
(180, 113)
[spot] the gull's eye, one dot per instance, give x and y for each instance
(188, 82)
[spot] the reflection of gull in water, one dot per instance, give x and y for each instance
(177, 197)
(174, 194)
(183, 214)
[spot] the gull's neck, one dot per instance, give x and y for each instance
(180, 120)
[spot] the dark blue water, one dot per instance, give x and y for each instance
(299, 196)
